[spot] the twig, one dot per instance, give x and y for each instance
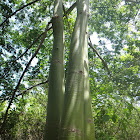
(138, 2)
(27, 89)
(31, 88)
(103, 61)
(18, 10)
(17, 86)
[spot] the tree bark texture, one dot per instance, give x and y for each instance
(89, 132)
(71, 118)
(56, 76)
(77, 123)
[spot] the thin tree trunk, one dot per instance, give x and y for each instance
(56, 76)
(72, 127)
(89, 132)
(88, 117)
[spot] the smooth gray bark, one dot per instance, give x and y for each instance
(72, 127)
(76, 122)
(88, 117)
(56, 76)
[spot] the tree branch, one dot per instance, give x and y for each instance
(103, 61)
(66, 18)
(17, 86)
(33, 43)
(27, 89)
(31, 88)
(18, 11)
(70, 9)
(138, 2)
(30, 46)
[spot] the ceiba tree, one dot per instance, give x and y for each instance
(69, 113)
(69, 108)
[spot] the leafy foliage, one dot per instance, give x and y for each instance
(115, 99)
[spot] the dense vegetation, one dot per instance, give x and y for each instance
(114, 68)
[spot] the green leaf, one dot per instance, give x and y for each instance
(114, 118)
(106, 118)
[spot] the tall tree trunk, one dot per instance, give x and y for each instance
(76, 122)
(56, 76)
(88, 117)
(72, 127)
(89, 132)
